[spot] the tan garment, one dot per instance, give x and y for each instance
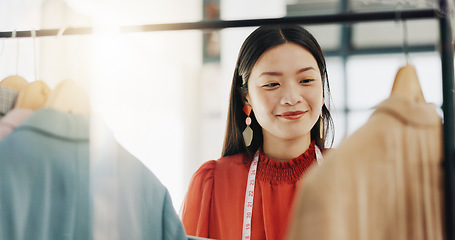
(382, 182)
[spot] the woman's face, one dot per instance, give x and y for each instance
(285, 92)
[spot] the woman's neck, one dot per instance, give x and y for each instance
(283, 150)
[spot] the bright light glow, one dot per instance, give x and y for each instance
(138, 92)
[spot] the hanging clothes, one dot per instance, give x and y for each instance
(145, 206)
(129, 200)
(382, 182)
(45, 182)
(7, 97)
(44, 178)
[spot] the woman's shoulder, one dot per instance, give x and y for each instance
(233, 164)
(227, 163)
(233, 159)
(204, 173)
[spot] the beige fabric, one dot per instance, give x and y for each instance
(382, 182)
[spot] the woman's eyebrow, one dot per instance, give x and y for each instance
(271, 73)
(305, 69)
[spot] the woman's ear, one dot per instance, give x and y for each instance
(247, 100)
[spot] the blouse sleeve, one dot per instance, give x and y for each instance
(196, 208)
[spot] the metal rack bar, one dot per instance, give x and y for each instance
(221, 24)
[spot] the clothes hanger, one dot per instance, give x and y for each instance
(33, 96)
(70, 98)
(406, 83)
(14, 81)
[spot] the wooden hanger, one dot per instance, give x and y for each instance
(14, 81)
(70, 98)
(33, 96)
(407, 84)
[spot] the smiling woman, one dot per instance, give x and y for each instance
(248, 193)
(287, 100)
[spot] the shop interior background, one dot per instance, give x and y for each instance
(164, 95)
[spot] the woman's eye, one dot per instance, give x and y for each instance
(271, 85)
(306, 81)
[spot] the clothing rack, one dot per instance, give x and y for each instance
(447, 63)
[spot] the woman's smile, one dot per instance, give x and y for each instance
(292, 115)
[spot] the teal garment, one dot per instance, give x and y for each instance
(145, 209)
(141, 207)
(44, 178)
(45, 184)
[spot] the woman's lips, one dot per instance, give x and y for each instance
(293, 115)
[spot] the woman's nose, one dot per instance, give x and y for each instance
(290, 95)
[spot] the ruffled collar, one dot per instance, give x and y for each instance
(290, 171)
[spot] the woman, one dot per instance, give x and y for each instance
(278, 97)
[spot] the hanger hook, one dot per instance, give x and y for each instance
(61, 31)
(77, 52)
(33, 33)
(405, 40)
(404, 27)
(3, 48)
(14, 36)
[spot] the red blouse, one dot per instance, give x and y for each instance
(214, 203)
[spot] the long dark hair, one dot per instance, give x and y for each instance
(258, 42)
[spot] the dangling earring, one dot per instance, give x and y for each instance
(248, 132)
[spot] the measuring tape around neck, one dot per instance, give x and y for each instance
(249, 194)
